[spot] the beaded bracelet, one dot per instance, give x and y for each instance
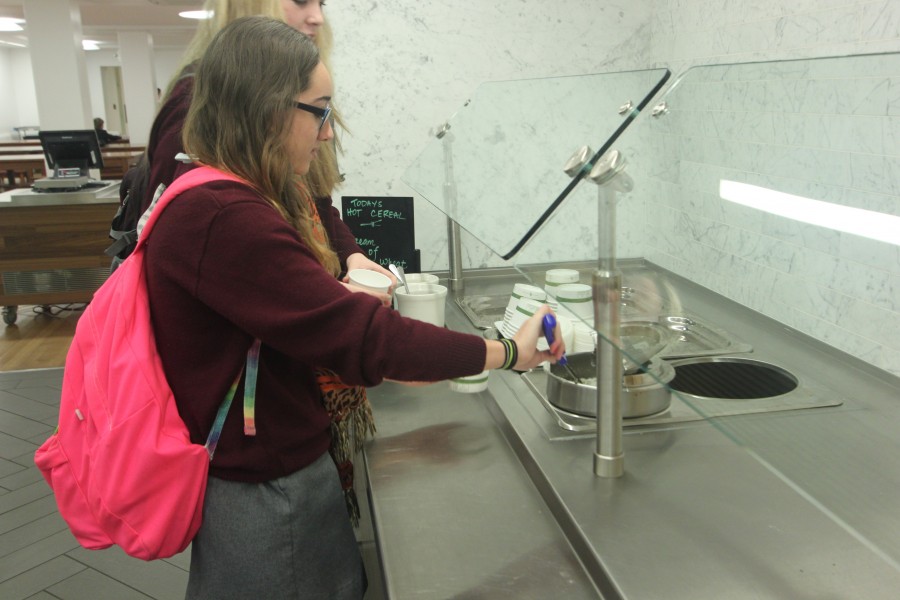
(512, 354)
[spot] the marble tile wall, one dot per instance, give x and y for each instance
(403, 68)
(836, 141)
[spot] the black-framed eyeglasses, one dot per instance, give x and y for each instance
(322, 113)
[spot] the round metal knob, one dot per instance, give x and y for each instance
(578, 160)
(607, 167)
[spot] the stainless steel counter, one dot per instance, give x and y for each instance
(472, 498)
(105, 194)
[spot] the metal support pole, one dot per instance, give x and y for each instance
(609, 459)
(609, 175)
(454, 254)
(454, 239)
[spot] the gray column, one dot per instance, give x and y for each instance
(58, 65)
(139, 81)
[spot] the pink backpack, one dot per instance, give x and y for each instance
(121, 463)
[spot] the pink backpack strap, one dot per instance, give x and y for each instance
(191, 179)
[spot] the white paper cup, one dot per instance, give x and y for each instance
(576, 299)
(425, 302)
(471, 384)
(584, 338)
(523, 291)
(370, 280)
(566, 330)
(525, 308)
(421, 278)
(553, 278)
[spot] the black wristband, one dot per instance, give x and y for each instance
(512, 354)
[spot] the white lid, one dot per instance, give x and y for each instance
(573, 291)
(557, 276)
(524, 290)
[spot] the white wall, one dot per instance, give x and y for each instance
(19, 96)
(839, 288)
(716, 31)
(8, 111)
(402, 68)
(18, 105)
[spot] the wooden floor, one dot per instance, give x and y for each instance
(39, 557)
(40, 337)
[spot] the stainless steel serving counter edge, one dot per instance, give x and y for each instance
(472, 498)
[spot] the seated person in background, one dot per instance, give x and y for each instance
(103, 135)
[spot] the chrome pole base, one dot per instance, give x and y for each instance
(609, 466)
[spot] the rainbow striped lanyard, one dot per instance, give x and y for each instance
(249, 401)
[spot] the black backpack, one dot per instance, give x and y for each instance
(124, 225)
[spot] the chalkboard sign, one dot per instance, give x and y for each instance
(384, 228)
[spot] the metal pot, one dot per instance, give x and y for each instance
(643, 393)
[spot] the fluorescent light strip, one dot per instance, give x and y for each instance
(858, 221)
(196, 14)
(10, 24)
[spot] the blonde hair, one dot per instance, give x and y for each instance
(244, 92)
(323, 176)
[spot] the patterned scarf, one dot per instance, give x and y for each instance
(348, 405)
(351, 422)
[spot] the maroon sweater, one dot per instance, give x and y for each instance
(224, 267)
(165, 143)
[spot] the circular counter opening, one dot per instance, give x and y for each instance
(733, 378)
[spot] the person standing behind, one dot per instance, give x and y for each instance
(305, 16)
(230, 262)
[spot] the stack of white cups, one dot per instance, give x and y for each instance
(421, 278)
(575, 301)
(521, 291)
(525, 309)
(585, 338)
(553, 278)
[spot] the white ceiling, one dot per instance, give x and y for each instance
(102, 19)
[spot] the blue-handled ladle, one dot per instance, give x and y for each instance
(549, 324)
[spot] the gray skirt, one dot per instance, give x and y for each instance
(286, 538)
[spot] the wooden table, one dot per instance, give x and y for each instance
(32, 146)
(115, 164)
(22, 149)
(51, 246)
(24, 165)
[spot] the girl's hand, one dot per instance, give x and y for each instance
(361, 261)
(383, 297)
(526, 339)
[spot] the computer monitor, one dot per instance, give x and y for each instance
(68, 150)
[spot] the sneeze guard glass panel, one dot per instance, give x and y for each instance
(497, 168)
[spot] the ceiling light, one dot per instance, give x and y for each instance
(858, 221)
(4, 42)
(90, 45)
(196, 14)
(10, 24)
